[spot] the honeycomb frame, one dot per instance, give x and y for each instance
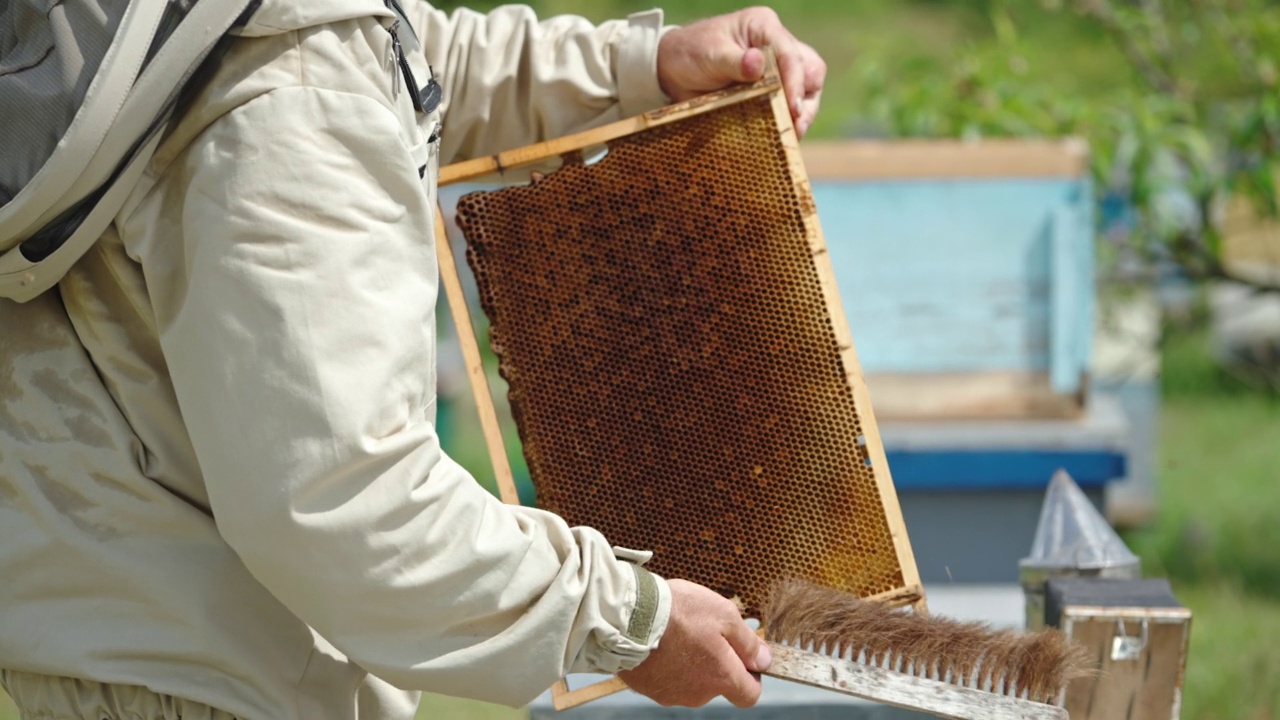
(610, 441)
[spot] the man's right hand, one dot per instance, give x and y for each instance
(707, 650)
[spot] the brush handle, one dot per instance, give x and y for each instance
(901, 690)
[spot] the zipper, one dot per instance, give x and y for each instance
(427, 98)
(403, 63)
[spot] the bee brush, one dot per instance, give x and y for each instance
(951, 669)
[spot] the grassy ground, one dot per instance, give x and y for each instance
(1217, 536)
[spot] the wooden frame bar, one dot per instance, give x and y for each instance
(848, 355)
(489, 424)
(534, 154)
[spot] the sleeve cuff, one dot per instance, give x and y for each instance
(638, 89)
(640, 620)
(652, 607)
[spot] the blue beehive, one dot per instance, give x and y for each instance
(966, 271)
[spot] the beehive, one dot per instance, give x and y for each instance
(679, 367)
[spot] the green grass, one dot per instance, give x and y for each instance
(1220, 479)
(1217, 536)
(1233, 668)
(437, 707)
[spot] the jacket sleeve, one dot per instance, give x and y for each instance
(290, 261)
(510, 79)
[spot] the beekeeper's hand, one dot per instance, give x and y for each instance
(706, 651)
(719, 51)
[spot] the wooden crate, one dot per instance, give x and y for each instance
(1138, 636)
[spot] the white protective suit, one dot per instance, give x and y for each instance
(220, 484)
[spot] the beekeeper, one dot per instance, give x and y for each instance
(221, 491)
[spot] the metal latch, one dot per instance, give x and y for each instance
(1126, 648)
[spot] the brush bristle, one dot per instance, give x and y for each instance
(1036, 666)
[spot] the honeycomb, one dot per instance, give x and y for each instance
(672, 366)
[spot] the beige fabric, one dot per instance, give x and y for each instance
(510, 80)
(219, 476)
(43, 697)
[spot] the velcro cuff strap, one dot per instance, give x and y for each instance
(646, 610)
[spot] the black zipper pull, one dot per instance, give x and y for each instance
(403, 62)
(432, 94)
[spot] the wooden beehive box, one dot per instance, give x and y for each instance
(967, 269)
(1138, 636)
(678, 361)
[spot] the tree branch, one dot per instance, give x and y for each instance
(1246, 53)
(1156, 76)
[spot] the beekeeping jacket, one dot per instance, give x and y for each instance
(219, 472)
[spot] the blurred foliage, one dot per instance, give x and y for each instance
(1220, 440)
(1216, 536)
(1193, 117)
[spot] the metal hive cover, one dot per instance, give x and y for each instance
(1072, 533)
(677, 374)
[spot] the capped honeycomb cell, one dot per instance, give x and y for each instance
(672, 362)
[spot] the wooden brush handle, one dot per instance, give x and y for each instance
(901, 690)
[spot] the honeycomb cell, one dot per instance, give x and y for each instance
(672, 364)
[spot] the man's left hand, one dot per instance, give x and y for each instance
(726, 49)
